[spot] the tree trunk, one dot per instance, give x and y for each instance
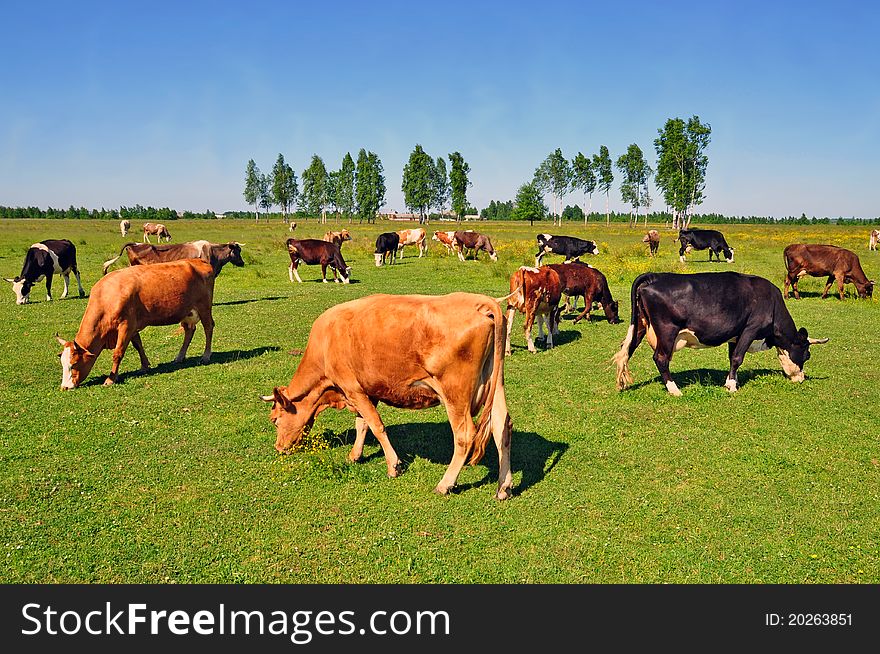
(607, 213)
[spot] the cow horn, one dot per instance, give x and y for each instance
(241, 245)
(267, 398)
(817, 341)
(499, 300)
(6, 279)
(60, 340)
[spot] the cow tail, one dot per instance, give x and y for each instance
(107, 264)
(631, 342)
(484, 428)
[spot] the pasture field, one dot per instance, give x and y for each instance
(171, 477)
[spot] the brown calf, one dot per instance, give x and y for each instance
(536, 293)
(652, 238)
(820, 260)
(416, 237)
(127, 300)
(217, 254)
(337, 237)
(581, 280)
(158, 229)
(874, 239)
(445, 238)
(470, 240)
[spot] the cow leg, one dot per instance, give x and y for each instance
(139, 346)
(737, 353)
(82, 291)
(786, 284)
(360, 430)
(189, 328)
(324, 272)
(527, 327)
(538, 257)
(828, 284)
(794, 286)
(208, 325)
(510, 315)
(585, 312)
(681, 252)
(49, 287)
(840, 284)
(122, 339)
(662, 357)
(292, 272)
(501, 432)
(460, 254)
(66, 277)
(463, 433)
(365, 408)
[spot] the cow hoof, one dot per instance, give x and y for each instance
(178, 359)
(730, 385)
(441, 490)
(146, 366)
(503, 494)
(109, 382)
(396, 470)
(206, 359)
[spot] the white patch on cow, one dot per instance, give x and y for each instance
(651, 337)
(204, 248)
(791, 370)
(191, 319)
(687, 338)
(689, 249)
(758, 346)
(546, 237)
(55, 263)
(802, 273)
(730, 385)
(729, 260)
(672, 387)
(681, 259)
(378, 260)
(16, 288)
(529, 268)
(66, 373)
(595, 249)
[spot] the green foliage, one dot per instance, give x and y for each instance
(345, 186)
(369, 186)
(253, 182)
(529, 204)
(458, 183)
(682, 162)
(498, 211)
(284, 185)
(315, 187)
(573, 213)
(419, 182)
(440, 185)
(636, 174)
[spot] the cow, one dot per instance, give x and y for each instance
(386, 245)
(821, 260)
(567, 246)
(704, 239)
(337, 237)
(292, 226)
(158, 229)
(445, 238)
(313, 251)
(416, 237)
(124, 226)
(707, 310)
(410, 352)
(217, 254)
(535, 292)
(126, 301)
(469, 240)
(45, 259)
(581, 280)
(652, 238)
(873, 239)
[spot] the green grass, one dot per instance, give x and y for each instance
(171, 476)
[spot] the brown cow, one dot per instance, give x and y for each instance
(446, 239)
(127, 300)
(217, 254)
(292, 226)
(582, 280)
(337, 237)
(158, 229)
(873, 239)
(416, 237)
(652, 238)
(536, 293)
(821, 260)
(313, 251)
(410, 352)
(470, 240)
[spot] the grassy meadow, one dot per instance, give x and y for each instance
(171, 477)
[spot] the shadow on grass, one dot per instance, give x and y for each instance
(189, 362)
(257, 299)
(562, 338)
(530, 453)
(715, 377)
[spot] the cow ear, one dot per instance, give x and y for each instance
(802, 332)
(281, 399)
(78, 349)
(60, 340)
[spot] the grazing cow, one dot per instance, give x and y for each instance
(217, 254)
(337, 237)
(386, 245)
(708, 310)
(45, 259)
(821, 260)
(470, 240)
(704, 239)
(445, 238)
(567, 246)
(126, 301)
(536, 293)
(124, 226)
(874, 239)
(581, 280)
(416, 237)
(410, 352)
(314, 251)
(158, 229)
(292, 226)
(652, 238)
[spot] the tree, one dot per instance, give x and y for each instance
(681, 166)
(252, 181)
(636, 172)
(441, 185)
(554, 175)
(583, 178)
(266, 194)
(314, 193)
(529, 203)
(345, 187)
(458, 183)
(369, 186)
(284, 186)
(602, 166)
(332, 191)
(418, 182)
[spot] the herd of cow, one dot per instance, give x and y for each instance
(362, 352)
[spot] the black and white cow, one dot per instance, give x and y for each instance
(567, 246)
(704, 239)
(386, 245)
(45, 259)
(707, 310)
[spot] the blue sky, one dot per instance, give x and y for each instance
(162, 104)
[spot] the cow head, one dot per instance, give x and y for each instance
(345, 235)
(235, 254)
(728, 255)
(290, 424)
(866, 290)
(379, 258)
(595, 248)
(797, 354)
(345, 273)
(76, 363)
(611, 312)
(22, 289)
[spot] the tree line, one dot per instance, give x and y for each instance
(137, 212)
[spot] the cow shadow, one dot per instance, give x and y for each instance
(715, 377)
(189, 362)
(562, 338)
(258, 299)
(530, 454)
